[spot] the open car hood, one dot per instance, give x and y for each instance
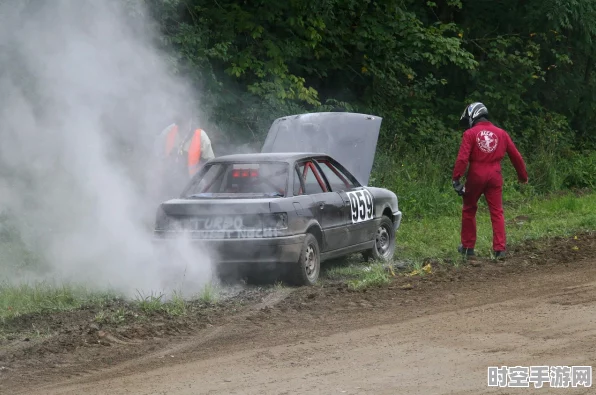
(349, 138)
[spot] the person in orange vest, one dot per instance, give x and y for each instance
(183, 151)
(186, 145)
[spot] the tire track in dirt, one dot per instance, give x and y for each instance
(194, 342)
(445, 350)
(557, 277)
(181, 346)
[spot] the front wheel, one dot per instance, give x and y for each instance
(308, 267)
(384, 247)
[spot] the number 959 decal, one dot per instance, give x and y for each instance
(362, 204)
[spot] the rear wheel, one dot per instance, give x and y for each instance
(384, 247)
(308, 267)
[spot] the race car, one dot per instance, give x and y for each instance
(303, 200)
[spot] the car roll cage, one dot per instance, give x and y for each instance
(313, 164)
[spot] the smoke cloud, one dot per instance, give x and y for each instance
(83, 94)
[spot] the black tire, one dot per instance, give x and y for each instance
(384, 248)
(307, 269)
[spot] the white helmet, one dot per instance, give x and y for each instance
(472, 114)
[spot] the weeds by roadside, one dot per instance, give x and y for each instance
(209, 293)
(359, 276)
(45, 297)
(533, 219)
(23, 299)
(436, 238)
(375, 275)
(418, 240)
(143, 306)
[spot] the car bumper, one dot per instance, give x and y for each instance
(246, 250)
(396, 219)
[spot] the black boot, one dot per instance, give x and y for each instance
(469, 252)
(499, 254)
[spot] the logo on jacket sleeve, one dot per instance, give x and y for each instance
(487, 141)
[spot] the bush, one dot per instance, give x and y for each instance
(422, 180)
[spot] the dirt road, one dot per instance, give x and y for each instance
(437, 336)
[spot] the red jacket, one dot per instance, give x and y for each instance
(484, 146)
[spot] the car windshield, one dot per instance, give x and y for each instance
(259, 179)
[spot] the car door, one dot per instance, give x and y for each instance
(327, 206)
(358, 203)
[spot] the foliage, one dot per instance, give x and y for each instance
(416, 64)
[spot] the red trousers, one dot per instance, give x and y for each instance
(487, 181)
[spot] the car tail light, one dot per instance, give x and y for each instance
(275, 221)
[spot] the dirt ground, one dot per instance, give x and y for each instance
(432, 334)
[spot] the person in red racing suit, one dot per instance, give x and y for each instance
(483, 146)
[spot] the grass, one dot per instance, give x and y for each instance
(531, 219)
(418, 239)
(439, 236)
(359, 276)
(430, 229)
(45, 297)
(432, 211)
(209, 293)
(145, 305)
(113, 317)
(375, 275)
(356, 274)
(431, 236)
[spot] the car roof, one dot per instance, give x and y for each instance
(288, 157)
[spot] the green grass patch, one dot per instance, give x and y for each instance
(375, 276)
(437, 237)
(45, 297)
(359, 276)
(209, 294)
(114, 317)
(533, 218)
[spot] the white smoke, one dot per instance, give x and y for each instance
(83, 93)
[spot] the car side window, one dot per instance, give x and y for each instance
(338, 180)
(309, 174)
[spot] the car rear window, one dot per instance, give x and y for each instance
(270, 178)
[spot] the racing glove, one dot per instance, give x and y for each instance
(458, 187)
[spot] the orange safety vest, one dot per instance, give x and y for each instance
(194, 150)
